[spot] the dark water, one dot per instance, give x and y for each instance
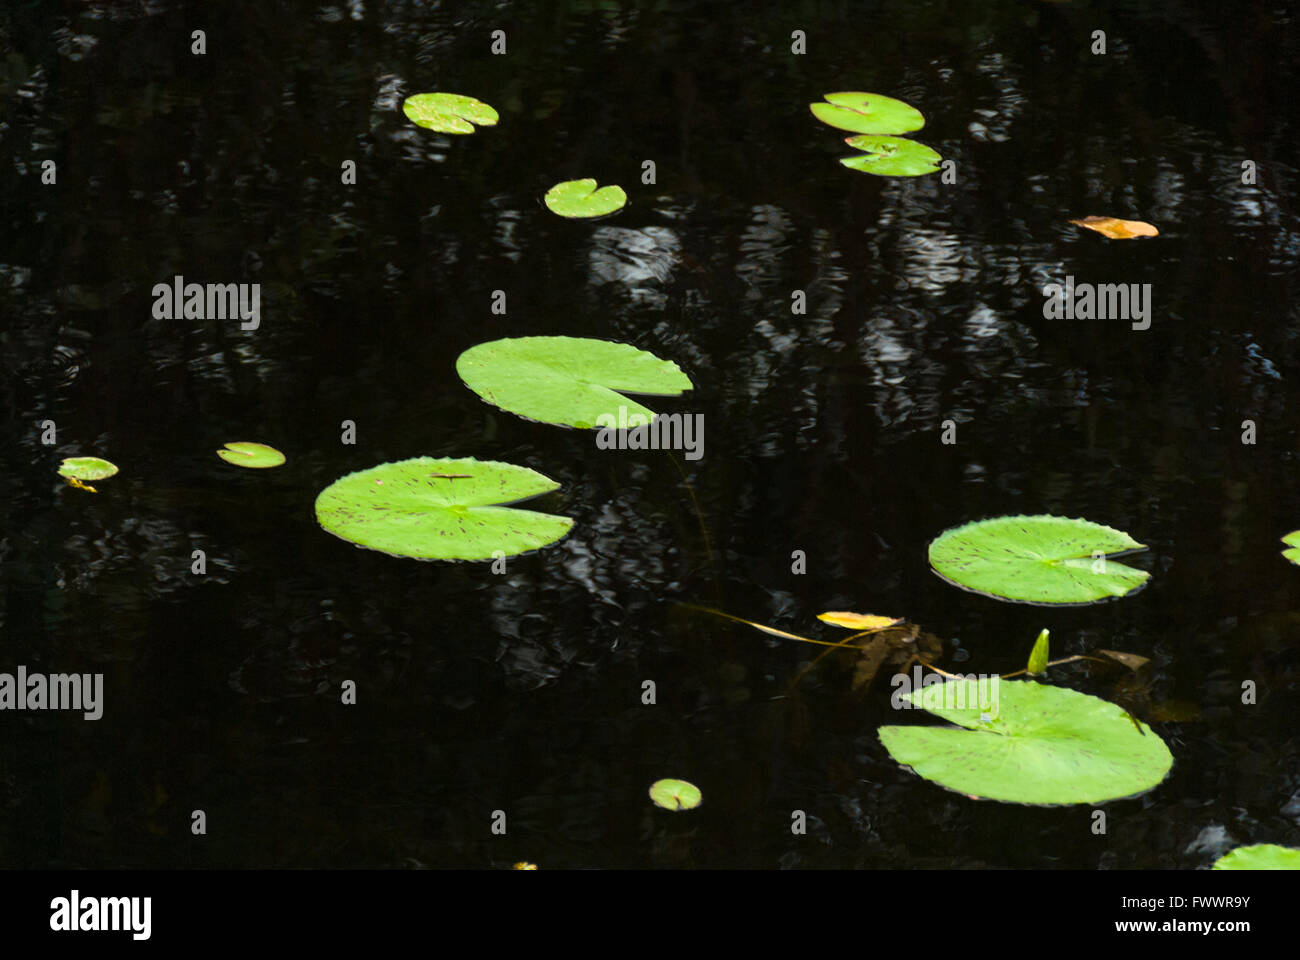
(522, 692)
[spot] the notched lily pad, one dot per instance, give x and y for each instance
(580, 198)
(1040, 744)
(255, 456)
(1292, 540)
(675, 794)
(441, 509)
(569, 381)
(892, 157)
(1037, 559)
(867, 113)
(448, 112)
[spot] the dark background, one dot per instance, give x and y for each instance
(521, 692)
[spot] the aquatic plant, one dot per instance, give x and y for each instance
(581, 199)
(255, 456)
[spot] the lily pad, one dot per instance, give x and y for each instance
(1292, 540)
(1042, 745)
(892, 157)
(1037, 559)
(580, 198)
(440, 509)
(570, 381)
(867, 113)
(675, 794)
(448, 112)
(86, 468)
(255, 456)
(1260, 856)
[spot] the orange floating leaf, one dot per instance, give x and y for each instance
(857, 621)
(1118, 229)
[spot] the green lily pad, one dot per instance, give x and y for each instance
(440, 509)
(1038, 559)
(86, 468)
(256, 456)
(570, 381)
(892, 157)
(867, 113)
(1292, 540)
(1040, 745)
(675, 794)
(580, 198)
(448, 112)
(1261, 856)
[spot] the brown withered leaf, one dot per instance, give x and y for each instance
(1130, 660)
(896, 646)
(1117, 229)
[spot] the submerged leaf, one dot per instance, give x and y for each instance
(867, 113)
(858, 621)
(1037, 559)
(892, 157)
(580, 198)
(1117, 229)
(448, 112)
(1039, 745)
(675, 794)
(418, 508)
(569, 381)
(1131, 660)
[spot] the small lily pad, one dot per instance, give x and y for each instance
(867, 113)
(441, 509)
(580, 198)
(86, 468)
(255, 456)
(1260, 856)
(1292, 540)
(675, 794)
(892, 157)
(448, 112)
(1037, 559)
(1041, 745)
(569, 381)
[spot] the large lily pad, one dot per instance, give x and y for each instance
(1037, 559)
(867, 113)
(569, 381)
(580, 198)
(1041, 745)
(440, 509)
(1260, 856)
(892, 156)
(448, 112)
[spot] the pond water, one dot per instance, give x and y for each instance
(522, 691)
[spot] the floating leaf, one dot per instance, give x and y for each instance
(524, 865)
(1037, 559)
(1043, 745)
(867, 113)
(434, 509)
(256, 456)
(1131, 660)
(1292, 540)
(86, 468)
(1118, 229)
(858, 621)
(1038, 656)
(1260, 856)
(675, 794)
(448, 112)
(580, 198)
(570, 381)
(892, 157)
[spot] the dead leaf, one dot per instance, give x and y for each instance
(1130, 660)
(858, 621)
(1118, 229)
